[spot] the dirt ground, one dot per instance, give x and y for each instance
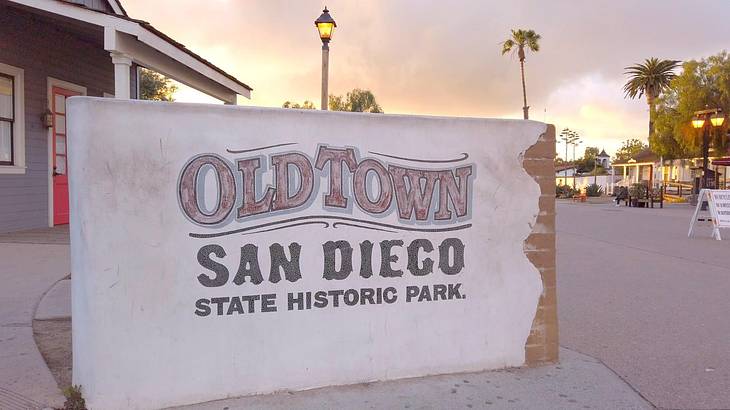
(53, 338)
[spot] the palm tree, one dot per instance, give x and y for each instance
(520, 40)
(649, 78)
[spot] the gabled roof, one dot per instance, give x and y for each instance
(565, 167)
(603, 154)
(146, 40)
(114, 5)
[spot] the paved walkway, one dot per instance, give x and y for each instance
(649, 302)
(578, 382)
(27, 271)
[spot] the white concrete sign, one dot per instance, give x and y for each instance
(221, 251)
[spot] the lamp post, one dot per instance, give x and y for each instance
(325, 26)
(705, 119)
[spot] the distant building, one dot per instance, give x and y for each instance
(648, 167)
(604, 159)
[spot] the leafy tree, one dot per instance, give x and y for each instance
(701, 84)
(357, 100)
(590, 153)
(306, 105)
(629, 149)
(519, 41)
(649, 78)
(155, 86)
(587, 163)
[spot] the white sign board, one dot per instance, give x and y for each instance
(718, 206)
(721, 203)
(220, 251)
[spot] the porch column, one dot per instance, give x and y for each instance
(122, 80)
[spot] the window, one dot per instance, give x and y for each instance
(7, 117)
(12, 121)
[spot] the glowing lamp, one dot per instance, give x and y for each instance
(325, 25)
(698, 122)
(717, 119)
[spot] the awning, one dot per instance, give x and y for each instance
(722, 161)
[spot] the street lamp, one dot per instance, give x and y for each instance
(325, 26)
(705, 119)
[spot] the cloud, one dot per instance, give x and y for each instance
(594, 106)
(429, 57)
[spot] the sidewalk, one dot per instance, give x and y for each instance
(578, 382)
(33, 275)
(27, 271)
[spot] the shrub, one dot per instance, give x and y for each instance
(594, 190)
(565, 191)
(638, 191)
(562, 191)
(74, 399)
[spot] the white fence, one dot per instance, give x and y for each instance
(607, 182)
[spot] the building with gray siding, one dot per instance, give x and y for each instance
(58, 49)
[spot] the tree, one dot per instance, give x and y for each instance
(357, 100)
(649, 78)
(155, 86)
(629, 149)
(590, 154)
(306, 105)
(588, 162)
(704, 83)
(519, 41)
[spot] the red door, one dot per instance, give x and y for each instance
(60, 162)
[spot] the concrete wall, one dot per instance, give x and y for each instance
(195, 207)
(43, 50)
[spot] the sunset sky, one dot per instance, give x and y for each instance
(443, 58)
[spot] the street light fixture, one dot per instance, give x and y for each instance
(706, 119)
(717, 119)
(698, 122)
(325, 26)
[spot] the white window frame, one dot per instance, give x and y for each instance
(18, 166)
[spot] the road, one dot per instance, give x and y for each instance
(652, 304)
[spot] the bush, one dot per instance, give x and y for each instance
(639, 191)
(74, 399)
(594, 190)
(564, 191)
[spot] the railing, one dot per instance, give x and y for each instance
(678, 189)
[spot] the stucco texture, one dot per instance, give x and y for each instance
(138, 342)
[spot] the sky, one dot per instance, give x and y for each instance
(444, 57)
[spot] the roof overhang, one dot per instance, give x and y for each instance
(631, 164)
(117, 7)
(150, 48)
